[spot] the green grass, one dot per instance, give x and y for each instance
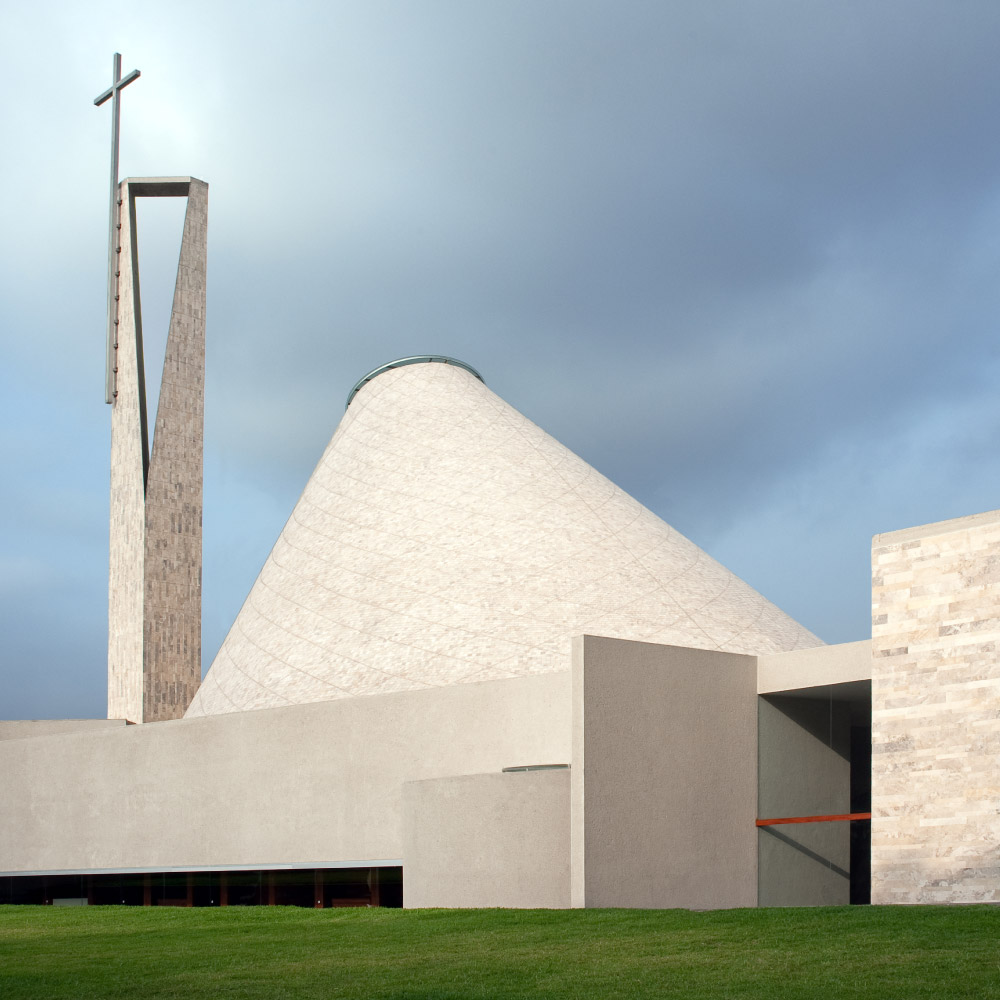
(278, 952)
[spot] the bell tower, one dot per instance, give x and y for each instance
(154, 601)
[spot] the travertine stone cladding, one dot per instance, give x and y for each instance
(172, 618)
(444, 538)
(154, 618)
(936, 713)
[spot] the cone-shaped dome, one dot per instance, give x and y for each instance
(444, 538)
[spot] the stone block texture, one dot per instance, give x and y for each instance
(936, 713)
(154, 646)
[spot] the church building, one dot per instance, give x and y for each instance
(474, 672)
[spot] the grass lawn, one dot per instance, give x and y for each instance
(143, 953)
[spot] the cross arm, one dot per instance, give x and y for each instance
(124, 82)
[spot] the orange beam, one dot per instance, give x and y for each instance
(813, 819)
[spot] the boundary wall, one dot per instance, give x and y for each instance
(317, 785)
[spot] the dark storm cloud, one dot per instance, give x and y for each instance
(740, 256)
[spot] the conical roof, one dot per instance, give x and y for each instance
(444, 538)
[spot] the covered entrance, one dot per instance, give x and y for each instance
(814, 796)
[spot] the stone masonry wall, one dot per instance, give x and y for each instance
(154, 616)
(936, 713)
(172, 612)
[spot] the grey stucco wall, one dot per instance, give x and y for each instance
(311, 784)
(487, 840)
(664, 776)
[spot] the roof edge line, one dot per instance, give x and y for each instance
(416, 359)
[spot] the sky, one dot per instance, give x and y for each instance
(742, 256)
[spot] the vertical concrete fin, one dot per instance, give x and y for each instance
(172, 611)
(664, 791)
(577, 803)
(127, 535)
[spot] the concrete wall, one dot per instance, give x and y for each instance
(312, 784)
(805, 668)
(805, 770)
(126, 581)
(936, 713)
(20, 729)
(664, 778)
(487, 840)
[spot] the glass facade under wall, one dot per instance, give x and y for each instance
(308, 887)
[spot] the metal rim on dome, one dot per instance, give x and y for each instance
(417, 359)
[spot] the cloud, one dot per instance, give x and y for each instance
(742, 258)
